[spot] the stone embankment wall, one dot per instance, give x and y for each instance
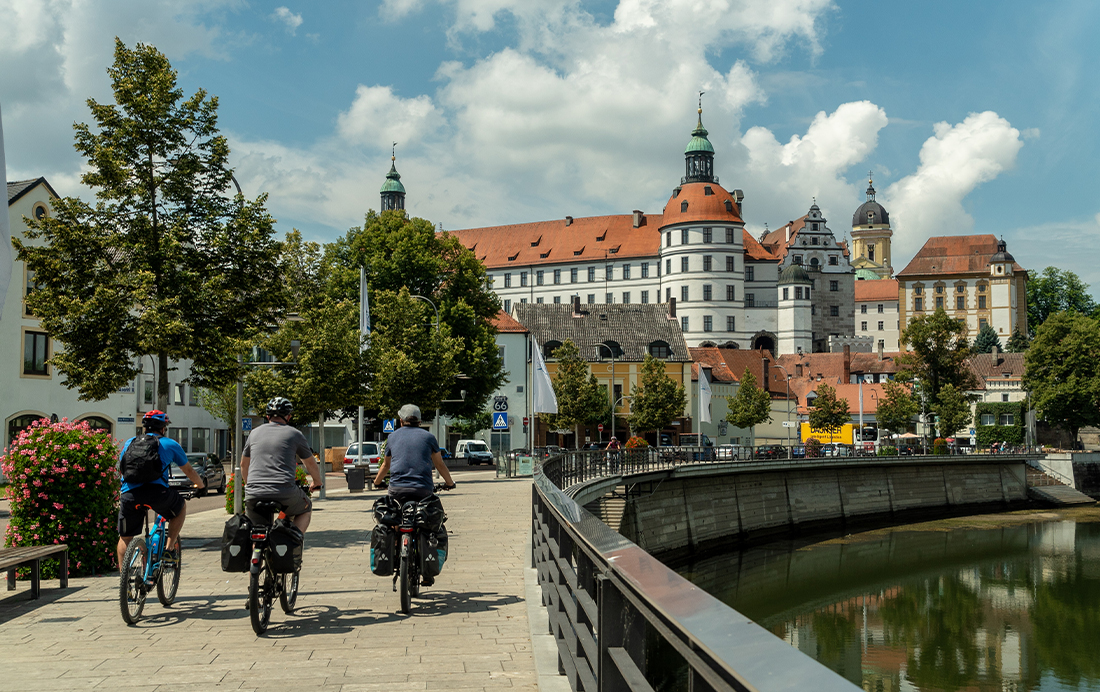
(685, 514)
(1084, 467)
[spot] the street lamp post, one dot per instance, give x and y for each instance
(789, 452)
(434, 308)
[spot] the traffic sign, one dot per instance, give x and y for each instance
(600, 427)
(500, 421)
(500, 403)
(246, 424)
(388, 425)
(526, 420)
(788, 424)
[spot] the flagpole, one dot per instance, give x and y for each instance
(364, 329)
(5, 229)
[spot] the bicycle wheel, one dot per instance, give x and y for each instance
(169, 581)
(131, 582)
(406, 597)
(288, 594)
(414, 572)
(260, 587)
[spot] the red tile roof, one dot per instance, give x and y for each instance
(506, 324)
(718, 206)
(754, 250)
(956, 254)
(882, 289)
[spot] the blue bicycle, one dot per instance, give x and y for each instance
(146, 563)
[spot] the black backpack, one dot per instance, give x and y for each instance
(141, 461)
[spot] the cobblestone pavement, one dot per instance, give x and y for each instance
(468, 632)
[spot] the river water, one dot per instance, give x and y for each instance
(1006, 602)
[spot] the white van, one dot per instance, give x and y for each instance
(474, 452)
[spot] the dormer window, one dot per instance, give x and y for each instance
(660, 349)
(513, 257)
(729, 206)
(683, 206)
(870, 217)
(708, 191)
(535, 243)
(544, 255)
(599, 238)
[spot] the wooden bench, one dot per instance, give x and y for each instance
(12, 558)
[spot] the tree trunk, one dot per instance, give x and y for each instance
(162, 382)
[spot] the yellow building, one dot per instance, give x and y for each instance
(871, 234)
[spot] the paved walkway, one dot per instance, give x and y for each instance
(468, 632)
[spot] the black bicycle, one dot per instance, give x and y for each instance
(412, 522)
(265, 583)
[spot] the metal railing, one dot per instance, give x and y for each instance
(622, 620)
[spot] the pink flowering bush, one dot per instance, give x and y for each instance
(64, 489)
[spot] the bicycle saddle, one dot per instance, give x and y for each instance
(266, 508)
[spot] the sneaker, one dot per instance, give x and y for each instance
(427, 581)
(172, 557)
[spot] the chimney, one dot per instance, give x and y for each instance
(569, 221)
(639, 216)
(576, 306)
(767, 379)
(996, 356)
(738, 196)
(788, 229)
(880, 346)
(847, 364)
(672, 308)
(798, 370)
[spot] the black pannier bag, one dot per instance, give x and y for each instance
(430, 514)
(237, 544)
(387, 511)
(383, 546)
(284, 542)
(433, 552)
(141, 462)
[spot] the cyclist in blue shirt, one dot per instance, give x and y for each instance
(164, 500)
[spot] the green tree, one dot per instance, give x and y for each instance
(580, 399)
(1062, 372)
(658, 401)
(750, 406)
(166, 263)
(1018, 342)
(952, 409)
(896, 408)
(938, 351)
(1056, 290)
(402, 253)
(220, 402)
(468, 427)
(827, 412)
(987, 339)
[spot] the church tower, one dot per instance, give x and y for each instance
(393, 192)
(871, 234)
(699, 154)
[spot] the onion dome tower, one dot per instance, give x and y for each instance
(871, 234)
(393, 192)
(699, 155)
(1000, 264)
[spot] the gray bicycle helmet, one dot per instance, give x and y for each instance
(279, 406)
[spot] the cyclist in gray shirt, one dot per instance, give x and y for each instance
(270, 460)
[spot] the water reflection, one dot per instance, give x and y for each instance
(1014, 608)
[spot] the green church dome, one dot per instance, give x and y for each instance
(393, 181)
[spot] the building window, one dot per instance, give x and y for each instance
(834, 285)
(36, 351)
(660, 349)
(813, 240)
(683, 323)
(591, 274)
(1008, 419)
(981, 302)
(918, 290)
(148, 390)
(557, 300)
(610, 298)
(684, 233)
(798, 293)
(707, 294)
(731, 323)
(539, 300)
(668, 239)
(523, 301)
(706, 235)
(918, 305)
(750, 300)
(626, 272)
(796, 259)
(961, 288)
(730, 263)
(683, 206)
(645, 297)
(609, 272)
(192, 396)
(668, 266)
(863, 309)
(833, 260)
(507, 279)
(863, 326)
(960, 303)
(177, 394)
(645, 270)
(708, 323)
(729, 236)
(573, 275)
(200, 439)
(668, 294)
(881, 309)
(750, 273)
(1004, 398)
(538, 277)
(180, 436)
(731, 293)
(706, 263)
(507, 306)
(626, 296)
(834, 311)
(523, 278)
(683, 294)
(981, 288)
(982, 323)
(988, 419)
(880, 327)
(591, 298)
(557, 276)
(939, 302)
(786, 293)
(683, 264)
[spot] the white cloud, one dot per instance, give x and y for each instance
(397, 9)
(291, 20)
(377, 117)
(953, 162)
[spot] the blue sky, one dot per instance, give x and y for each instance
(974, 117)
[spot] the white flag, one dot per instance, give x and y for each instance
(5, 231)
(704, 397)
(542, 391)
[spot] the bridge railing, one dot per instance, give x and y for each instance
(622, 620)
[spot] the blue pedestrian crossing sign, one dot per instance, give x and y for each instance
(388, 425)
(246, 424)
(500, 420)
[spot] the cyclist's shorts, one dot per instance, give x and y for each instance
(295, 500)
(165, 501)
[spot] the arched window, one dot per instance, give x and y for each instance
(813, 261)
(660, 349)
(20, 423)
(611, 349)
(548, 349)
(99, 424)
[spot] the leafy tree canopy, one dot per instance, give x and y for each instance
(580, 399)
(987, 339)
(1018, 342)
(1062, 372)
(1056, 290)
(658, 401)
(952, 409)
(938, 351)
(166, 263)
(896, 408)
(827, 412)
(750, 406)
